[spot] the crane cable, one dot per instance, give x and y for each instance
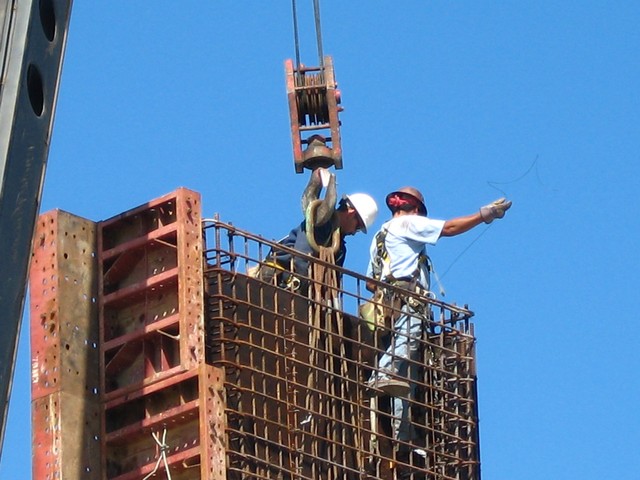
(316, 14)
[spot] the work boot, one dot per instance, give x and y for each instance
(391, 386)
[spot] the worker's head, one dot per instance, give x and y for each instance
(357, 211)
(406, 199)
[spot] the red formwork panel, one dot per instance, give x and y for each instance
(150, 292)
(179, 420)
(162, 403)
(64, 341)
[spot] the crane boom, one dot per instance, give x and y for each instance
(34, 34)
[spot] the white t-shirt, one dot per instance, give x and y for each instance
(406, 240)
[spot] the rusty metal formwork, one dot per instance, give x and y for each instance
(162, 404)
(297, 364)
(121, 389)
(65, 399)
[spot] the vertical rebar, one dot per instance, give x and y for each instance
(295, 358)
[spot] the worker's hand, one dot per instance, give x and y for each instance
(495, 210)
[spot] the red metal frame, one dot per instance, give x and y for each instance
(64, 336)
(313, 111)
(153, 372)
(117, 332)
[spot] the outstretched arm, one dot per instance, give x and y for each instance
(487, 214)
(459, 225)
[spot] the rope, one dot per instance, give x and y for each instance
(310, 219)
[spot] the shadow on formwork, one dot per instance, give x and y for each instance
(297, 362)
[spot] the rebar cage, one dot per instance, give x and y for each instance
(299, 360)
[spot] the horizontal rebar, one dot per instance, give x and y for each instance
(297, 364)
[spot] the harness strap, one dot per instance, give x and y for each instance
(381, 262)
(275, 265)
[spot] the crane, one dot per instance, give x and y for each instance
(34, 34)
(314, 105)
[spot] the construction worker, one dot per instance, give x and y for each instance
(324, 226)
(398, 257)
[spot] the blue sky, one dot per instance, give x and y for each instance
(465, 100)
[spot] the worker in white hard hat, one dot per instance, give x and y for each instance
(329, 226)
(399, 257)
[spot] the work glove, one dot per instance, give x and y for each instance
(494, 210)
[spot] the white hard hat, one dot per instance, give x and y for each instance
(366, 207)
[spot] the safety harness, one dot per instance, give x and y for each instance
(385, 306)
(381, 265)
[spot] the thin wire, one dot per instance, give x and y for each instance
(493, 184)
(465, 250)
(437, 278)
(174, 337)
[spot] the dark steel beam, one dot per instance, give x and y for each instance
(33, 40)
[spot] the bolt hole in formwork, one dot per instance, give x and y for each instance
(35, 90)
(48, 19)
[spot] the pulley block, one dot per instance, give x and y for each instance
(313, 109)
